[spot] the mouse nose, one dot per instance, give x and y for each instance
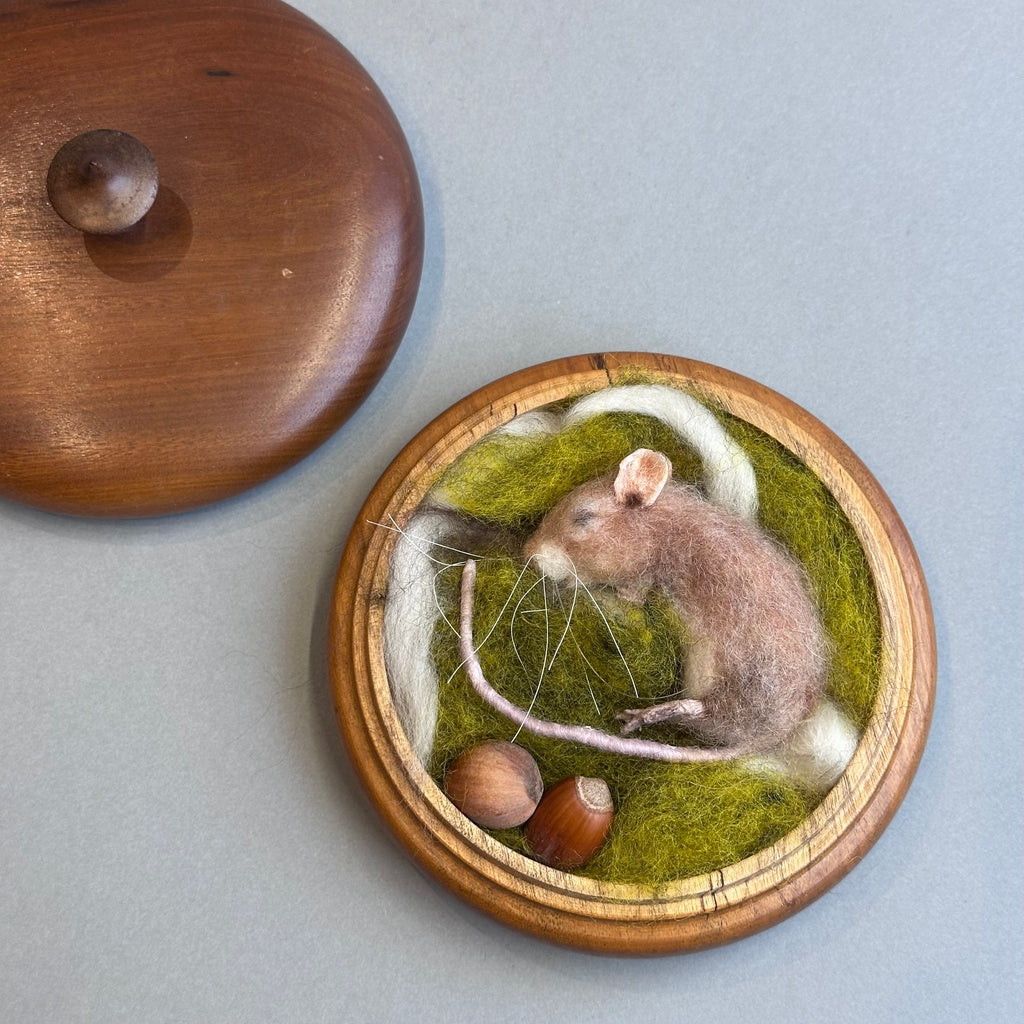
(551, 560)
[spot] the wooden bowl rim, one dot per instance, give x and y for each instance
(585, 913)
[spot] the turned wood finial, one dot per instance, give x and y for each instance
(102, 182)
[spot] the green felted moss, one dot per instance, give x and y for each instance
(513, 481)
(673, 821)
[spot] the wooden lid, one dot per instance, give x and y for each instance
(246, 316)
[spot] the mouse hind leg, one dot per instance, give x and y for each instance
(700, 670)
(673, 712)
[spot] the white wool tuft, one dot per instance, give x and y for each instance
(728, 474)
(410, 612)
(536, 421)
(817, 753)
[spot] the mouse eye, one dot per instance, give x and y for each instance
(583, 516)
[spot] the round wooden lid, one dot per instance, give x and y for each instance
(245, 317)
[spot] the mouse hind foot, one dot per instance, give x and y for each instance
(672, 712)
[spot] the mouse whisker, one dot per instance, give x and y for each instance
(395, 528)
(608, 626)
(512, 621)
(568, 618)
(587, 661)
(544, 660)
(515, 586)
(681, 692)
(589, 664)
(504, 607)
(410, 540)
(437, 599)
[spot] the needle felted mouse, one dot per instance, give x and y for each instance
(758, 662)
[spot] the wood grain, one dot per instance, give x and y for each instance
(584, 913)
(249, 313)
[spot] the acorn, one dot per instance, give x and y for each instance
(496, 784)
(571, 822)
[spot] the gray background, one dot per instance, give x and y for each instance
(824, 196)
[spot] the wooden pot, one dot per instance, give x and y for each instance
(613, 918)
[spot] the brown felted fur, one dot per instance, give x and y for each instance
(758, 663)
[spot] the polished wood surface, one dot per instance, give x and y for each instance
(246, 316)
(562, 907)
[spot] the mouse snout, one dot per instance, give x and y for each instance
(549, 559)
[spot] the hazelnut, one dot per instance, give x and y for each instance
(496, 784)
(571, 822)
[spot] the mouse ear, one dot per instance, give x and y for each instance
(642, 475)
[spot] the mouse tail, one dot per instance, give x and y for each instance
(583, 734)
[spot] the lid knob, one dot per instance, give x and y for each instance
(102, 182)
